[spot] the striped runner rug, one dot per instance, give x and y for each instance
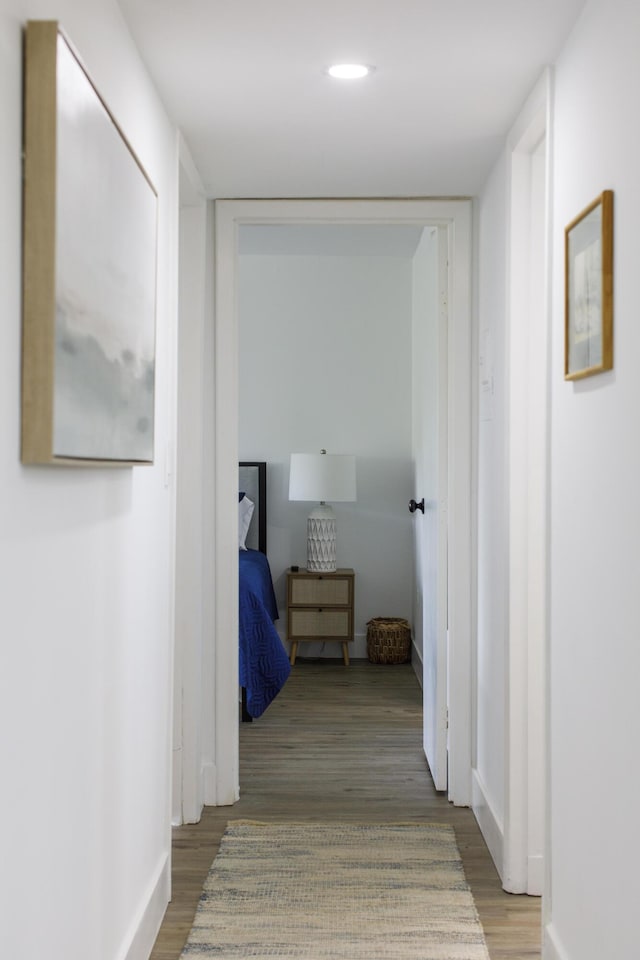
(336, 892)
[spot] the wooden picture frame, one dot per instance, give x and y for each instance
(89, 271)
(589, 290)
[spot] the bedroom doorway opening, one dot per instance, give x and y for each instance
(451, 221)
(353, 320)
(325, 318)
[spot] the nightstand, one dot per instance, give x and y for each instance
(320, 607)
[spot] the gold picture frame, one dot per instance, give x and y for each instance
(589, 290)
(89, 271)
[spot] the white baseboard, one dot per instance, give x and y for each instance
(551, 946)
(139, 943)
(535, 867)
(416, 662)
(490, 827)
(209, 783)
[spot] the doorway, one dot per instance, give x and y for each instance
(454, 217)
(343, 346)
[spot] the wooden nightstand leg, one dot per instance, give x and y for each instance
(345, 654)
(294, 650)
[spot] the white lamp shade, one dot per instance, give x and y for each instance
(323, 477)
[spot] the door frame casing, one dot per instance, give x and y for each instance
(456, 216)
(529, 313)
(191, 507)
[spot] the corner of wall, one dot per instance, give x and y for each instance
(551, 947)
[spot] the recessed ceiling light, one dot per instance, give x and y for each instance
(349, 71)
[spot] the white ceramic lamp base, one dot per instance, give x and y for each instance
(321, 539)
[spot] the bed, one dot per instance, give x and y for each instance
(264, 664)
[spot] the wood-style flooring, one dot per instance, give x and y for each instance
(344, 744)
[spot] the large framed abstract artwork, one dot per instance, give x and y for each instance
(89, 271)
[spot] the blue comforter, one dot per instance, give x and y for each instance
(264, 665)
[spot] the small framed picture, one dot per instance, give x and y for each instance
(589, 290)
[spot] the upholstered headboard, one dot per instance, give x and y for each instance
(252, 480)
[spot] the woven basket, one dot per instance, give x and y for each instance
(388, 640)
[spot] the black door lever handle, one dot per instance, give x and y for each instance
(413, 506)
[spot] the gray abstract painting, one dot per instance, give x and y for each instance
(106, 213)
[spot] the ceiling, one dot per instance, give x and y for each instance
(245, 82)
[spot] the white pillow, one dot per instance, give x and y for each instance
(245, 512)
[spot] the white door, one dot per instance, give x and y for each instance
(430, 488)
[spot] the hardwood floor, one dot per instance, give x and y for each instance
(344, 744)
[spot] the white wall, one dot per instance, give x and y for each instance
(86, 574)
(489, 765)
(325, 362)
(595, 601)
(594, 837)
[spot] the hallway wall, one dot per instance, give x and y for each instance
(595, 523)
(86, 574)
(593, 833)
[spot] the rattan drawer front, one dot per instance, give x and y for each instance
(335, 624)
(320, 591)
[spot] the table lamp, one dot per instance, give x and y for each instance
(322, 477)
